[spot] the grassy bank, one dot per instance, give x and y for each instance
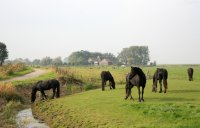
(179, 108)
(15, 96)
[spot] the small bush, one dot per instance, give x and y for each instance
(89, 87)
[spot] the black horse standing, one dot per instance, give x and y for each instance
(46, 85)
(107, 76)
(160, 75)
(135, 78)
(190, 73)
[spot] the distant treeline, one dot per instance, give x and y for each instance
(134, 55)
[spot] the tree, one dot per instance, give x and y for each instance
(137, 55)
(79, 58)
(123, 56)
(36, 62)
(110, 56)
(65, 61)
(3, 53)
(85, 58)
(57, 61)
(45, 61)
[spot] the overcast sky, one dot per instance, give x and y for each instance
(38, 28)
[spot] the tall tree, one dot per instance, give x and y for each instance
(137, 55)
(3, 53)
(57, 61)
(46, 61)
(36, 62)
(110, 56)
(79, 58)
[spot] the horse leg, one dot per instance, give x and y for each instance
(154, 86)
(160, 81)
(131, 97)
(43, 94)
(128, 91)
(165, 85)
(139, 93)
(142, 99)
(54, 91)
(103, 85)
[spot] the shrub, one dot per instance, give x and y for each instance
(9, 92)
(89, 87)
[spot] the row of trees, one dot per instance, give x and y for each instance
(43, 62)
(85, 57)
(134, 55)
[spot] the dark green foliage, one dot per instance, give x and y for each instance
(85, 58)
(134, 55)
(3, 53)
(45, 61)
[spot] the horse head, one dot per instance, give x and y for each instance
(112, 83)
(33, 93)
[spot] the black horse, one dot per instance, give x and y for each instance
(160, 75)
(107, 76)
(190, 73)
(45, 85)
(135, 78)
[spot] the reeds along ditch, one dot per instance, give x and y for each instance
(9, 92)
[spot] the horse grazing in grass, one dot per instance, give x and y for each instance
(46, 85)
(160, 75)
(107, 76)
(135, 78)
(190, 73)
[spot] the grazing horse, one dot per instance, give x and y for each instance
(190, 73)
(46, 85)
(159, 75)
(135, 78)
(107, 76)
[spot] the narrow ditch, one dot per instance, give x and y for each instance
(25, 119)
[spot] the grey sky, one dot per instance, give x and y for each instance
(38, 28)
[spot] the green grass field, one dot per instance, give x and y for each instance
(178, 108)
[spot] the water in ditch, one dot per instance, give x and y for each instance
(25, 119)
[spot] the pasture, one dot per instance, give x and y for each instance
(178, 108)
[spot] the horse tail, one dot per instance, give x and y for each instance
(58, 90)
(33, 94)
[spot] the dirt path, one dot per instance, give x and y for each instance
(36, 73)
(24, 118)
